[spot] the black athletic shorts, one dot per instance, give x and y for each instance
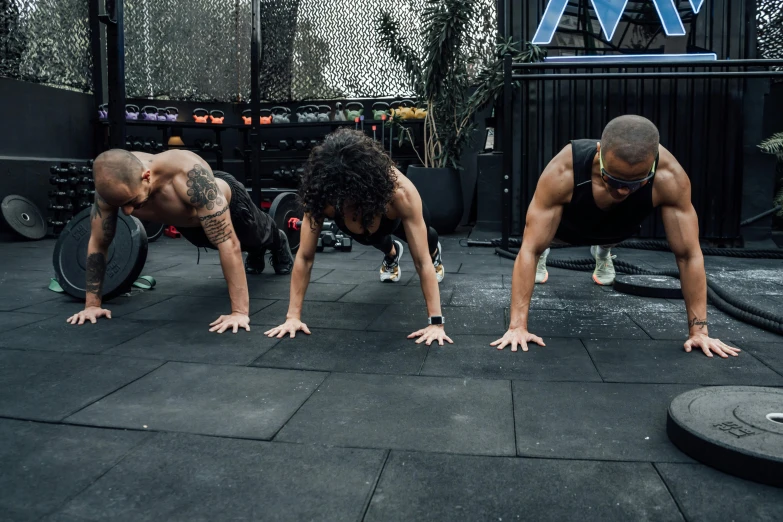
(254, 228)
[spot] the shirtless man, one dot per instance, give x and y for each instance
(598, 193)
(178, 188)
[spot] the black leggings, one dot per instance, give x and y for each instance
(384, 242)
(254, 228)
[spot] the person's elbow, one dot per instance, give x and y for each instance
(230, 246)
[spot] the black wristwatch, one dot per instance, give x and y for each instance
(436, 319)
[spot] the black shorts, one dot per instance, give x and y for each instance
(254, 228)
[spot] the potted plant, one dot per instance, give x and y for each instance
(774, 145)
(456, 72)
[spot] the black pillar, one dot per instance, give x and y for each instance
(115, 48)
(255, 101)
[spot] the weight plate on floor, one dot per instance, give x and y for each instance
(153, 230)
(126, 256)
(663, 287)
(736, 429)
(285, 207)
(23, 217)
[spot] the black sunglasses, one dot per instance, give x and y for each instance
(632, 185)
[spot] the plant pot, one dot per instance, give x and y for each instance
(441, 190)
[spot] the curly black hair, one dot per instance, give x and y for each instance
(348, 167)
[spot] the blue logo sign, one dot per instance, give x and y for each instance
(609, 13)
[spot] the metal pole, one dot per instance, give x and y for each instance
(96, 49)
(507, 152)
(115, 47)
(649, 75)
(255, 102)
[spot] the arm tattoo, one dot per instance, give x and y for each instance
(218, 231)
(96, 210)
(96, 268)
(701, 323)
(109, 227)
(202, 189)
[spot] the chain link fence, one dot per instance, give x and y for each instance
(199, 50)
(46, 41)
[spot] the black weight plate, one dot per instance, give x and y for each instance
(663, 287)
(284, 207)
(23, 217)
(736, 429)
(126, 256)
(154, 230)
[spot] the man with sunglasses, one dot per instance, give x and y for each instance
(598, 193)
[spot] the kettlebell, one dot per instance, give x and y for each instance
(149, 113)
(324, 113)
(200, 115)
(162, 116)
(266, 117)
(172, 113)
(103, 111)
(339, 113)
(131, 112)
(216, 116)
(421, 110)
(406, 110)
(379, 109)
(280, 114)
(355, 112)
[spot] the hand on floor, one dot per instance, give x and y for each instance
(91, 314)
(709, 345)
(517, 336)
(432, 333)
(291, 326)
(234, 321)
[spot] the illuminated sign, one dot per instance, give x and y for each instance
(609, 13)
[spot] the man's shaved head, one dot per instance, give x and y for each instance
(633, 139)
(117, 172)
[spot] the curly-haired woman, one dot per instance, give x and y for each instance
(351, 180)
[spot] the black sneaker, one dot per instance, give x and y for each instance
(282, 258)
(254, 263)
(390, 268)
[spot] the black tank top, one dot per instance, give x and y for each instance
(385, 228)
(583, 223)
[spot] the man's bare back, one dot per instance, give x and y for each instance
(170, 171)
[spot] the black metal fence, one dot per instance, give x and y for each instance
(701, 121)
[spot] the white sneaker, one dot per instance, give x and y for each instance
(604, 268)
(440, 272)
(541, 273)
(390, 268)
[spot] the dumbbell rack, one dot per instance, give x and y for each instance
(73, 191)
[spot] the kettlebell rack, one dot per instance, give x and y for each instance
(73, 190)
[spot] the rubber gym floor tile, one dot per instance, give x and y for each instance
(281, 290)
(198, 287)
(17, 294)
(475, 295)
(664, 362)
(206, 399)
(193, 309)
(50, 386)
(11, 320)
(771, 303)
(459, 320)
(351, 277)
(595, 421)
(749, 282)
(721, 326)
(339, 316)
(193, 342)
(65, 306)
(706, 494)
(56, 335)
(190, 270)
(455, 280)
(420, 486)
(44, 465)
(341, 263)
(185, 478)
(379, 293)
(498, 267)
(616, 302)
(570, 323)
(472, 356)
(413, 413)
(770, 354)
(347, 351)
